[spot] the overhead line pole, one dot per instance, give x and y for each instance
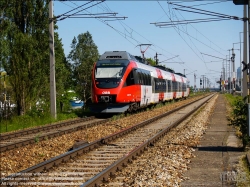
(244, 84)
(194, 82)
(52, 63)
(248, 85)
(230, 75)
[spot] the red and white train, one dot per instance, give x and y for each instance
(120, 83)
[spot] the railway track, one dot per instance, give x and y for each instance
(89, 165)
(21, 138)
(24, 137)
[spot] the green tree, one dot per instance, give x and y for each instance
(25, 53)
(63, 74)
(151, 61)
(83, 54)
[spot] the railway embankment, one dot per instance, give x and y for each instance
(217, 160)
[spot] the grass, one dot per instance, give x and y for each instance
(231, 98)
(243, 180)
(244, 175)
(28, 121)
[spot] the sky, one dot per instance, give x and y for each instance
(196, 49)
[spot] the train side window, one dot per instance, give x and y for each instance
(174, 86)
(149, 79)
(145, 82)
(146, 78)
(139, 77)
(184, 87)
(169, 86)
(136, 76)
(165, 85)
(161, 85)
(130, 79)
(143, 78)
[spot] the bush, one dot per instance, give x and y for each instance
(239, 118)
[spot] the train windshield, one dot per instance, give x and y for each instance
(108, 73)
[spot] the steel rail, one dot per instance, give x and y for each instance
(124, 161)
(49, 135)
(6, 136)
(84, 149)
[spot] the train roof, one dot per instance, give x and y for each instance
(181, 74)
(121, 55)
(164, 68)
(127, 56)
(117, 55)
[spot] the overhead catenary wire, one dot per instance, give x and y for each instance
(200, 32)
(175, 25)
(162, 24)
(179, 33)
(128, 36)
(221, 1)
(104, 22)
(229, 17)
(73, 9)
(201, 10)
(128, 33)
(67, 16)
(177, 29)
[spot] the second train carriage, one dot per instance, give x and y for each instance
(120, 83)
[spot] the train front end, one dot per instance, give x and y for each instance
(107, 82)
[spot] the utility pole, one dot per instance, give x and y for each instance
(52, 62)
(194, 82)
(223, 76)
(226, 75)
(241, 74)
(244, 84)
(232, 59)
(156, 58)
(221, 83)
(230, 75)
(248, 84)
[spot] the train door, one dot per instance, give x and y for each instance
(174, 86)
(144, 95)
(182, 87)
(145, 87)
